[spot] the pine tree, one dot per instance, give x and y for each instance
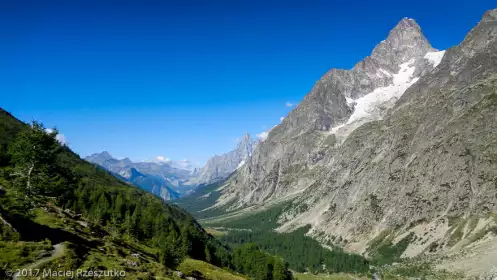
(186, 241)
(120, 207)
(128, 223)
(101, 209)
(279, 270)
(134, 221)
(207, 252)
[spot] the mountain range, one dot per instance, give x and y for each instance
(170, 180)
(400, 149)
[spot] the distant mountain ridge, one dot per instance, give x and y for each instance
(158, 178)
(163, 177)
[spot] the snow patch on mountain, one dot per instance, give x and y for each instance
(435, 57)
(240, 164)
(372, 105)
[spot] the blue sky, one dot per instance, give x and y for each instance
(185, 79)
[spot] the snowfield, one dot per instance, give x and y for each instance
(435, 57)
(373, 105)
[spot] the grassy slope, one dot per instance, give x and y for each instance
(209, 271)
(309, 276)
(86, 248)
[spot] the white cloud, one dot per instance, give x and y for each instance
(184, 164)
(263, 135)
(281, 119)
(289, 104)
(162, 159)
(60, 137)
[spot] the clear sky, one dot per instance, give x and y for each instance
(185, 79)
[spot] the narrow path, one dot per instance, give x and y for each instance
(57, 252)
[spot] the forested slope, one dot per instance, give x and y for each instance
(49, 196)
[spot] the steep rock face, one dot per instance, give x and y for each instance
(220, 167)
(427, 158)
(294, 145)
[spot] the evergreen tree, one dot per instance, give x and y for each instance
(120, 207)
(279, 270)
(101, 209)
(128, 225)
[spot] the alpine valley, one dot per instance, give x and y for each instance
(387, 170)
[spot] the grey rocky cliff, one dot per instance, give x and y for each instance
(427, 158)
(220, 167)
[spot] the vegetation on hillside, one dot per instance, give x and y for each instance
(250, 260)
(302, 252)
(49, 196)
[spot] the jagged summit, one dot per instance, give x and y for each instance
(404, 42)
(246, 137)
(99, 158)
(105, 154)
(246, 140)
(331, 101)
(221, 166)
(405, 29)
(127, 161)
(407, 23)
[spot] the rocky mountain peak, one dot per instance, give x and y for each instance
(407, 33)
(126, 161)
(246, 137)
(404, 42)
(246, 146)
(490, 16)
(221, 166)
(105, 154)
(99, 158)
(407, 24)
